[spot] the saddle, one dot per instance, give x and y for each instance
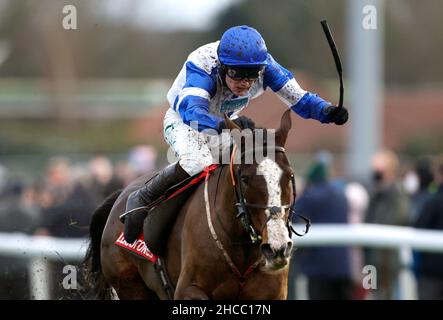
(161, 217)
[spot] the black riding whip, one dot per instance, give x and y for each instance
(334, 50)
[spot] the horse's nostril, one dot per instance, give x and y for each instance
(288, 249)
(285, 251)
(281, 252)
(267, 251)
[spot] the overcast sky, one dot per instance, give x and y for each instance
(167, 14)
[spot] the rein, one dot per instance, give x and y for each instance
(241, 277)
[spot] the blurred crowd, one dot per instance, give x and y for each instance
(410, 194)
(60, 204)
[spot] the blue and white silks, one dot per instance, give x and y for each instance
(198, 93)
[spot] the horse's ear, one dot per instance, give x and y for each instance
(230, 124)
(285, 125)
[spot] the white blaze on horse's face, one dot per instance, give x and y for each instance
(278, 235)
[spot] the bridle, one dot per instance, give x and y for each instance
(243, 215)
(242, 205)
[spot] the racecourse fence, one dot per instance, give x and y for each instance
(39, 250)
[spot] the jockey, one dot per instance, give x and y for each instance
(217, 78)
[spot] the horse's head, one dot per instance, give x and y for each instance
(265, 190)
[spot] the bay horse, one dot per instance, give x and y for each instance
(239, 201)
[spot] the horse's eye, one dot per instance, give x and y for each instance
(244, 179)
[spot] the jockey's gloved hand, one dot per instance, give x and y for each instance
(242, 121)
(337, 115)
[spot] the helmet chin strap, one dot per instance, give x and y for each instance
(222, 69)
(222, 75)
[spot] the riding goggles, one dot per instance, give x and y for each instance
(237, 73)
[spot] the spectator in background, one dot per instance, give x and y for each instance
(66, 212)
(103, 181)
(430, 280)
(66, 204)
(328, 269)
(422, 192)
(57, 182)
(388, 205)
(15, 216)
(358, 200)
(419, 185)
(142, 160)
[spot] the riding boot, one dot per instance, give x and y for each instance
(153, 189)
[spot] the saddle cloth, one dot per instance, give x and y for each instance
(161, 218)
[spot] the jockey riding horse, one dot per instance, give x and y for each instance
(219, 78)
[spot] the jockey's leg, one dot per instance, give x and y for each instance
(190, 146)
(153, 189)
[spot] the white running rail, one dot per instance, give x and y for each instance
(40, 249)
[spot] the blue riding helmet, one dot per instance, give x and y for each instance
(242, 46)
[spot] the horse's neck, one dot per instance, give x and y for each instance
(227, 226)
